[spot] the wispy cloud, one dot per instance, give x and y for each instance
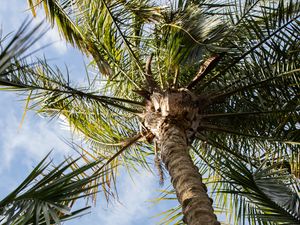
(21, 149)
(133, 206)
(29, 143)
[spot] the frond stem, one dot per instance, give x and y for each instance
(222, 72)
(130, 142)
(124, 39)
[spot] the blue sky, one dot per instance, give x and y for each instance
(21, 148)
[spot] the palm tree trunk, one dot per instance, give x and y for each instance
(187, 181)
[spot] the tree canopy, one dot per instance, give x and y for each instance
(241, 60)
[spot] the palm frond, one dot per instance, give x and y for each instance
(187, 33)
(261, 26)
(48, 193)
(264, 79)
(107, 30)
(259, 188)
(14, 47)
(50, 87)
(270, 192)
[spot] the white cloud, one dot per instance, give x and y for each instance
(132, 204)
(32, 141)
(52, 36)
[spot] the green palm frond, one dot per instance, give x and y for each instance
(130, 154)
(265, 32)
(47, 195)
(63, 14)
(256, 186)
(16, 74)
(186, 35)
(51, 87)
(256, 95)
(92, 117)
(107, 30)
(272, 193)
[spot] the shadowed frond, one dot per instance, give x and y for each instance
(47, 195)
(271, 193)
(256, 95)
(266, 32)
(14, 47)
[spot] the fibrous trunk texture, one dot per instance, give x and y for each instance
(187, 181)
(173, 118)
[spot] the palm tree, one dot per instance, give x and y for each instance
(215, 81)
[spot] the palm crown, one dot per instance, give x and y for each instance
(222, 76)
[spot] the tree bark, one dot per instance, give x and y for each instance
(185, 177)
(173, 118)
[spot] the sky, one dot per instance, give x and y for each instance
(21, 148)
